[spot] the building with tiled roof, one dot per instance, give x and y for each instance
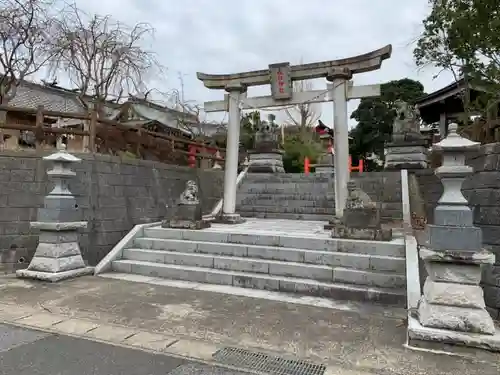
(135, 112)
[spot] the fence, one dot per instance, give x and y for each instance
(112, 137)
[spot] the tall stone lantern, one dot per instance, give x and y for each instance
(267, 156)
(452, 298)
(57, 256)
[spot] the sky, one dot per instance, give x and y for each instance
(230, 36)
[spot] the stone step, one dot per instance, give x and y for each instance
(287, 216)
(312, 189)
(299, 241)
(278, 180)
(285, 284)
(330, 197)
(291, 204)
(317, 272)
(359, 261)
(285, 209)
(288, 177)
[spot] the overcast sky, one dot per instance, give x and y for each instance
(228, 36)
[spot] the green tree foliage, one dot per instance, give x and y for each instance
(461, 36)
(297, 146)
(375, 117)
(249, 123)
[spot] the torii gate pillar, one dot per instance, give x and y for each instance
(229, 214)
(339, 79)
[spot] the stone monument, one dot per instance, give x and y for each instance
(58, 255)
(408, 148)
(361, 219)
(266, 157)
(452, 298)
(187, 214)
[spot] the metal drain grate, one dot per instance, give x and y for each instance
(245, 359)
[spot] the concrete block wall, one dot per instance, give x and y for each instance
(483, 193)
(383, 187)
(113, 194)
(482, 190)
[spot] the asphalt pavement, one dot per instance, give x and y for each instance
(28, 352)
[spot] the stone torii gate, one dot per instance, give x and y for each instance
(280, 77)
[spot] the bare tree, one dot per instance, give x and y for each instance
(25, 28)
(192, 118)
(104, 59)
(304, 115)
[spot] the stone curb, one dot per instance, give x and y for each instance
(42, 319)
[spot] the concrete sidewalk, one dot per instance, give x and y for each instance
(26, 352)
(195, 324)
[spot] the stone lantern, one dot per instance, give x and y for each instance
(452, 298)
(58, 255)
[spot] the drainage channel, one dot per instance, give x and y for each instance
(270, 364)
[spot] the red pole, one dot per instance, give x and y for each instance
(358, 168)
(192, 156)
(306, 165)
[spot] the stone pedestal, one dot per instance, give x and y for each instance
(406, 155)
(187, 214)
(408, 148)
(325, 165)
(58, 255)
(361, 218)
(452, 297)
(230, 219)
(453, 303)
(266, 161)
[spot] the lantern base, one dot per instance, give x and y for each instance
(435, 338)
(54, 276)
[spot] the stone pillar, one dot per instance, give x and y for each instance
(339, 78)
(229, 214)
(452, 298)
(408, 148)
(58, 255)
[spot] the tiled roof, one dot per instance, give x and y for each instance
(32, 95)
(163, 115)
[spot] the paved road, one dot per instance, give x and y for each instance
(26, 352)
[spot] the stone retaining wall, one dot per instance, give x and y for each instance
(113, 194)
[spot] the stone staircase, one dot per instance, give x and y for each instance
(287, 196)
(294, 257)
(312, 197)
